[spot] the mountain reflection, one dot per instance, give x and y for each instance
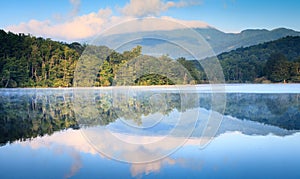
(28, 113)
(279, 109)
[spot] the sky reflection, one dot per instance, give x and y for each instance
(232, 154)
(258, 136)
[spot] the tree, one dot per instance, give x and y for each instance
(295, 71)
(278, 68)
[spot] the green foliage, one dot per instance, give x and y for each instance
(153, 79)
(247, 65)
(115, 63)
(195, 70)
(88, 66)
(251, 63)
(27, 61)
(278, 68)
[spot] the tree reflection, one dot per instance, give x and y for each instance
(282, 110)
(26, 114)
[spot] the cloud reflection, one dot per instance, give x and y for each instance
(73, 143)
(138, 170)
(76, 165)
(68, 142)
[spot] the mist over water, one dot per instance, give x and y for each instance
(84, 137)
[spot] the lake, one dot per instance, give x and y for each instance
(204, 131)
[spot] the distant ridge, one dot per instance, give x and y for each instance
(219, 41)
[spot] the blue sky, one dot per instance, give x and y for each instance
(56, 18)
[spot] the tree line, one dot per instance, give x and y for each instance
(275, 61)
(28, 61)
(270, 62)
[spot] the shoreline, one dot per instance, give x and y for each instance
(203, 88)
(155, 86)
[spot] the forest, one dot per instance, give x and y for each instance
(271, 62)
(28, 61)
(275, 61)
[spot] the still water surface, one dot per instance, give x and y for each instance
(151, 133)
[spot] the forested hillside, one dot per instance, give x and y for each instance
(275, 61)
(27, 61)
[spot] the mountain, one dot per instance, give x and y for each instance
(223, 42)
(277, 61)
(288, 46)
(180, 42)
(27, 61)
(274, 61)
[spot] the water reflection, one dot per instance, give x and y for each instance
(229, 155)
(52, 123)
(29, 113)
(26, 114)
(73, 144)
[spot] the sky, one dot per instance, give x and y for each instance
(74, 20)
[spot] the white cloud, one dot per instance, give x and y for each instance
(79, 27)
(152, 24)
(138, 8)
(74, 27)
(145, 8)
